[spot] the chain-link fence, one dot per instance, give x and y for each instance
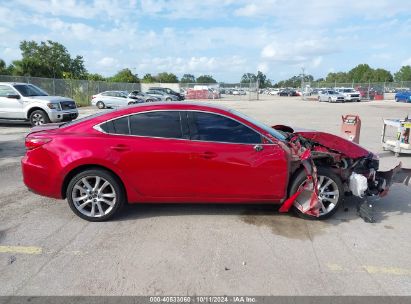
(82, 90)
(234, 91)
(368, 90)
(79, 90)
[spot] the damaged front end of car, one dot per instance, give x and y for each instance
(355, 166)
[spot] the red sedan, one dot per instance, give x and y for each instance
(182, 152)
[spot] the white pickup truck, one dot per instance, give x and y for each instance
(350, 94)
(26, 102)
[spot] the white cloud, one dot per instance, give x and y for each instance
(107, 62)
(406, 61)
(296, 52)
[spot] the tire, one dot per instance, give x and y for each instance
(329, 100)
(98, 195)
(397, 99)
(319, 99)
(168, 99)
(38, 118)
(149, 100)
(131, 103)
(100, 105)
(330, 202)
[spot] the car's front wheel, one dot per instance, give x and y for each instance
(38, 118)
(100, 105)
(95, 195)
(330, 193)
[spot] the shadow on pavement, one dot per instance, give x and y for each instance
(287, 225)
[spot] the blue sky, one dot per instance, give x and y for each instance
(224, 38)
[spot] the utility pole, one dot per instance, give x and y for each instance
(302, 84)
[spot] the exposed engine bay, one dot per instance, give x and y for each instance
(356, 167)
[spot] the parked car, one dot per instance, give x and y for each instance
(273, 91)
(404, 96)
(26, 102)
(187, 152)
(162, 95)
(288, 92)
(238, 92)
(111, 99)
(142, 97)
(350, 94)
(330, 96)
(169, 92)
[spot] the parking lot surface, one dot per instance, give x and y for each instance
(189, 249)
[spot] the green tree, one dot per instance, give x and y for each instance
(205, 79)
(95, 77)
(337, 77)
(294, 82)
(125, 75)
(48, 59)
(248, 77)
(167, 78)
(381, 75)
(188, 78)
(404, 74)
(4, 70)
(361, 73)
(148, 78)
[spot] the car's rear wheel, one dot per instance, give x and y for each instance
(319, 99)
(330, 193)
(131, 103)
(38, 118)
(168, 99)
(100, 105)
(149, 100)
(95, 195)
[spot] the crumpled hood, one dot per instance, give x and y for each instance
(335, 143)
(53, 99)
(330, 141)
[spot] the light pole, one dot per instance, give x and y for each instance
(302, 84)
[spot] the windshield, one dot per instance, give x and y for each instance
(348, 90)
(266, 128)
(28, 90)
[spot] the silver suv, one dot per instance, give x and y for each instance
(22, 101)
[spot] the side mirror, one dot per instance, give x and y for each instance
(13, 96)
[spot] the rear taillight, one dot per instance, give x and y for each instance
(33, 142)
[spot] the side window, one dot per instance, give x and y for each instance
(116, 126)
(213, 127)
(6, 90)
(165, 124)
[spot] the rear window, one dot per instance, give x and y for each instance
(164, 124)
(117, 126)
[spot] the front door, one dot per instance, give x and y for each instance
(230, 160)
(10, 108)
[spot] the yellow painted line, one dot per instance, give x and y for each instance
(21, 249)
(387, 270)
(335, 267)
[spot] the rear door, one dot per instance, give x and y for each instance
(10, 108)
(231, 160)
(151, 151)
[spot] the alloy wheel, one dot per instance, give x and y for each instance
(38, 119)
(94, 196)
(328, 195)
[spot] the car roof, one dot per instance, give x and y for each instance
(14, 83)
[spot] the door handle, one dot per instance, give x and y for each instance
(208, 155)
(120, 148)
(258, 148)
